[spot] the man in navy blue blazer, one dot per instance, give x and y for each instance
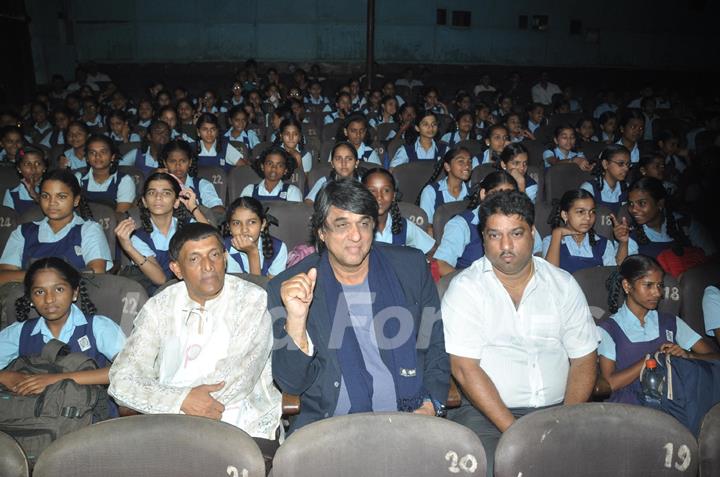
(357, 326)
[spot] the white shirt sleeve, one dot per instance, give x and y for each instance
(293, 194)
(374, 158)
(142, 248)
(579, 333)
(711, 309)
(588, 187)
(126, 190)
(94, 244)
(312, 195)
(427, 201)
(13, 251)
(418, 238)
(609, 254)
(307, 161)
(400, 157)
(463, 337)
(456, 236)
(280, 263)
(607, 344)
(7, 200)
(247, 191)
(208, 194)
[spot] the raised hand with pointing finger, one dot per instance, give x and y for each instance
(621, 231)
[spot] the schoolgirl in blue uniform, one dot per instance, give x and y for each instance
(145, 157)
(56, 291)
(74, 157)
(461, 242)
(392, 227)
(388, 115)
(57, 135)
(119, 128)
(456, 164)
(343, 107)
(610, 170)
(514, 160)
(655, 228)
(250, 246)
(676, 159)
(291, 139)
(515, 130)
(573, 244)
(357, 100)
(608, 126)
(91, 117)
(420, 143)
(355, 131)
(432, 101)
(465, 129)
(62, 233)
(212, 149)
(41, 126)
(103, 183)
(632, 129)
(275, 166)
(636, 329)
(344, 165)
(496, 139)
(536, 116)
(314, 100)
(179, 159)
(164, 209)
(653, 165)
(11, 139)
(169, 116)
(564, 150)
(30, 166)
(239, 132)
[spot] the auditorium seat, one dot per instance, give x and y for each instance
(599, 440)
(381, 445)
(164, 445)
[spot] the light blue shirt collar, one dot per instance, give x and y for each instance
(75, 319)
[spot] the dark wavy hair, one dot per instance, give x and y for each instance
(275, 150)
(440, 167)
(179, 145)
(631, 269)
(67, 272)
(114, 151)
(491, 181)
(333, 175)
(608, 154)
(507, 202)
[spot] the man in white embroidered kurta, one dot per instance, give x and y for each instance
(218, 350)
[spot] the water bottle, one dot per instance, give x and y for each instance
(652, 381)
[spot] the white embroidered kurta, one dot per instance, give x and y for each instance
(176, 345)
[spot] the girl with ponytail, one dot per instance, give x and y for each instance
(636, 328)
(67, 231)
(55, 290)
(391, 226)
(656, 228)
(456, 164)
(247, 239)
(573, 244)
(610, 171)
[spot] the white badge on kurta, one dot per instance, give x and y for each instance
(84, 343)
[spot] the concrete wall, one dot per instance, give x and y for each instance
(642, 33)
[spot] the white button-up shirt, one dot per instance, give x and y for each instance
(524, 351)
(177, 344)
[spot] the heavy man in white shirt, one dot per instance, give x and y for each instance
(202, 346)
(518, 330)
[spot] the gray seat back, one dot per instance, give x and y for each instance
(379, 445)
(709, 443)
(159, 445)
(443, 214)
(217, 177)
(13, 462)
(414, 214)
(562, 177)
(8, 223)
(293, 219)
(412, 177)
(597, 439)
(238, 178)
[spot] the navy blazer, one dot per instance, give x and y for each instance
(316, 378)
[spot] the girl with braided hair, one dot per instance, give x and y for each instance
(456, 164)
(610, 170)
(420, 141)
(67, 231)
(165, 208)
(103, 183)
(573, 244)
(54, 289)
(355, 131)
(344, 161)
(275, 166)
(636, 328)
(656, 228)
(391, 226)
(248, 241)
(178, 158)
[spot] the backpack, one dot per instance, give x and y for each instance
(691, 388)
(36, 421)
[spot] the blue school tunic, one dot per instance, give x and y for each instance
(282, 195)
(110, 195)
(140, 160)
(436, 194)
(572, 263)
(68, 248)
(474, 249)
(81, 341)
(160, 250)
(625, 341)
(612, 198)
(218, 159)
(204, 191)
(653, 248)
(19, 199)
(279, 255)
